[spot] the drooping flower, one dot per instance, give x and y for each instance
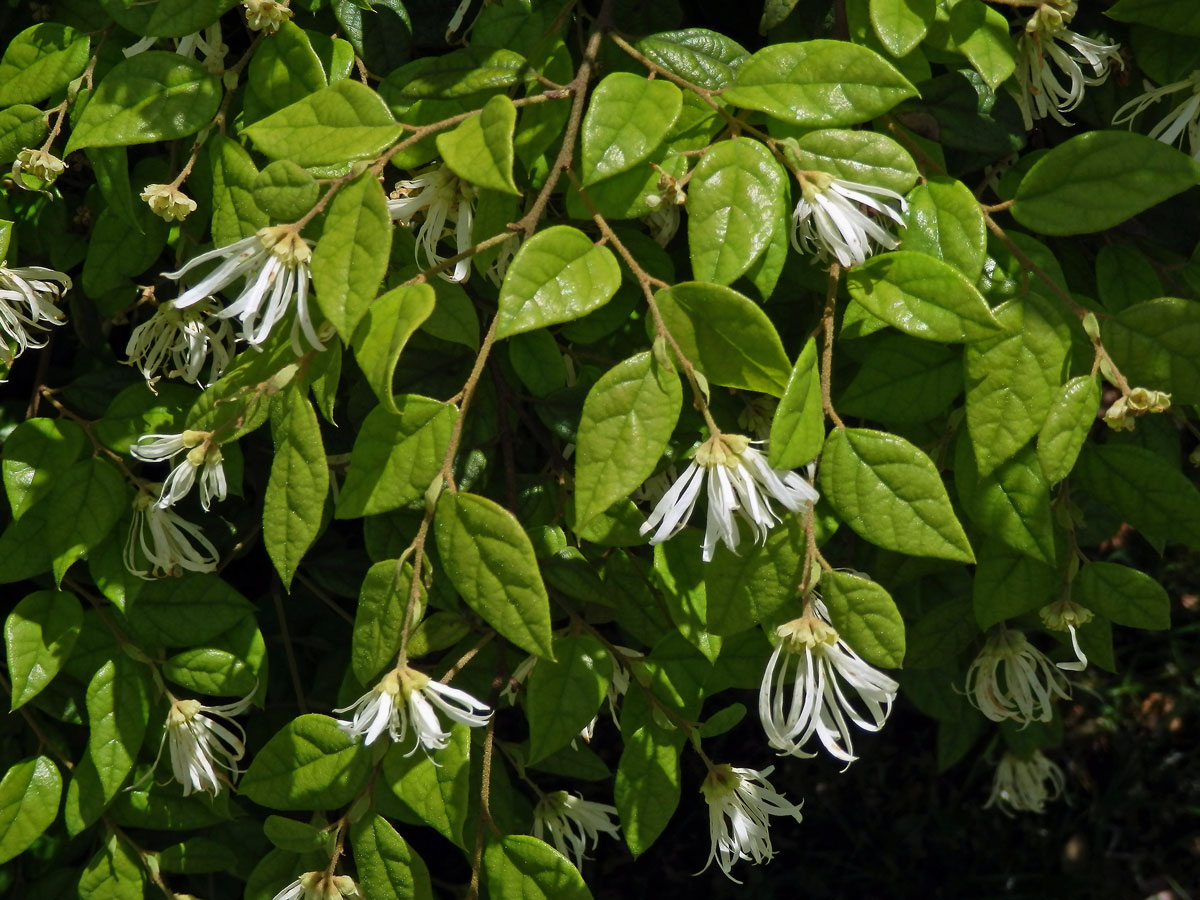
(405, 694)
(829, 219)
(27, 306)
(1183, 121)
(572, 822)
(739, 481)
(203, 459)
(320, 886)
(1025, 783)
(266, 16)
(1040, 92)
(41, 164)
(176, 343)
(274, 262)
(442, 197)
(200, 743)
(1067, 615)
(1012, 679)
(820, 661)
(168, 543)
(740, 805)
(168, 202)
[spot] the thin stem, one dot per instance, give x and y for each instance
(462, 661)
(827, 317)
(289, 650)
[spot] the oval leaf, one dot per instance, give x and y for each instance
(308, 764)
(481, 148)
(628, 117)
(866, 617)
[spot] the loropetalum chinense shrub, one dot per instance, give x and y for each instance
(430, 425)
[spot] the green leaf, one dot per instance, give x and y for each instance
(818, 83)
(154, 96)
(285, 191)
(901, 24)
(903, 380)
(298, 483)
(338, 124)
(118, 704)
(166, 18)
(564, 694)
(233, 664)
(705, 58)
(435, 792)
(20, 127)
(295, 837)
(283, 70)
(396, 456)
(1124, 276)
(750, 586)
(462, 73)
(384, 330)
(235, 213)
(36, 454)
(628, 117)
(379, 619)
(1177, 16)
(159, 810)
(186, 611)
(943, 219)
(490, 561)
(1012, 380)
(646, 789)
(38, 637)
(922, 296)
(1009, 583)
(351, 257)
(737, 192)
(983, 37)
(138, 410)
(1124, 595)
(41, 61)
(1145, 490)
(520, 867)
(798, 429)
(628, 418)
(197, 856)
(890, 493)
(678, 575)
(1066, 427)
(865, 616)
(727, 336)
(29, 796)
(862, 156)
(310, 763)
(1012, 502)
(480, 150)
(1100, 179)
(1154, 345)
(558, 275)
(940, 635)
(114, 873)
(388, 868)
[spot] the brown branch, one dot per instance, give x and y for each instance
(827, 317)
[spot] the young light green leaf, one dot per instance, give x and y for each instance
(751, 585)
(628, 418)
(29, 796)
(818, 83)
(298, 483)
(283, 70)
(388, 868)
(1154, 344)
(922, 296)
(488, 558)
(798, 429)
(737, 192)
(865, 616)
(943, 219)
(727, 336)
(118, 705)
(558, 275)
(1011, 503)
(435, 793)
(564, 694)
(1066, 427)
(41, 61)
(1009, 583)
(235, 214)
(154, 96)
(38, 637)
(233, 664)
(866, 157)
(384, 330)
(1145, 490)
(901, 24)
(628, 117)
(983, 36)
(520, 867)
(1099, 179)
(1124, 595)
(379, 618)
(480, 150)
(890, 493)
(310, 763)
(705, 58)
(646, 789)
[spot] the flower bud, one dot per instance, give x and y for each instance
(168, 202)
(266, 15)
(44, 166)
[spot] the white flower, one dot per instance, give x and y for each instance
(1025, 783)
(572, 822)
(1040, 93)
(818, 704)
(274, 262)
(167, 541)
(1012, 679)
(403, 694)
(1067, 615)
(319, 886)
(662, 221)
(1182, 121)
(199, 743)
(211, 47)
(203, 456)
(41, 164)
(266, 16)
(617, 688)
(168, 202)
(829, 219)
(737, 475)
(740, 804)
(443, 197)
(27, 305)
(177, 343)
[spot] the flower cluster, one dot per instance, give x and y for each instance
(167, 542)
(320, 886)
(572, 822)
(740, 805)
(42, 165)
(1182, 122)
(1025, 783)
(176, 343)
(440, 196)
(168, 202)
(27, 306)
(1011, 679)
(829, 219)
(202, 460)
(200, 744)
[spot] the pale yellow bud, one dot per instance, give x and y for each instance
(168, 202)
(266, 15)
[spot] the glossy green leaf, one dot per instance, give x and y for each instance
(388, 868)
(520, 867)
(1099, 179)
(36, 454)
(1177, 16)
(647, 786)
(114, 873)
(186, 611)
(628, 418)
(737, 192)
(564, 694)
(383, 333)
(865, 616)
(1154, 345)
(751, 585)
(285, 191)
(866, 157)
(488, 558)
(298, 483)
(983, 36)
(818, 83)
(435, 791)
(464, 72)
(235, 213)
(118, 705)
(310, 763)
(901, 24)
(727, 336)
(293, 836)
(705, 58)
(166, 18)
(283, 70)
(379, 619)
(1011, 503)
(903, 380)
(38, 637)
(1145, 490)
(1071, 416)
(233, 664)
(558, 275)
(154, 96)
(628, 117)
(29, 796)
(891, 494)
(21, 126)
(798, 429)
(41, 61)
(943, 219)
(1009, 583)
(1123, 595)
(480, 150)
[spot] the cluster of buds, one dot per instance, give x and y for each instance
(663, 218)
(1137, 402)
(320, 886)
(266, 16)
(39, 164)
(168, 202)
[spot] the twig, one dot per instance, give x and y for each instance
(827, 317)
(288, 650)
